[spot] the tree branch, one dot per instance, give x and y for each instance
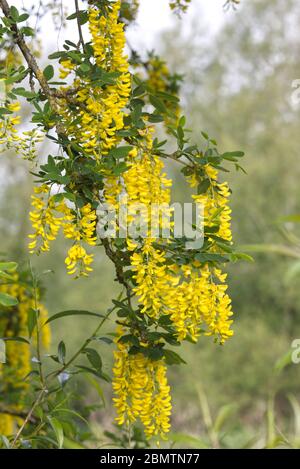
(29, 416)
(29, 57)
(118, 267)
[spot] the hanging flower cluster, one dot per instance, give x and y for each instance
(215, 202)
(100, 115)
(194, 294)
(142, 390)
(14, 322)
(105, 119)
(24, 144)
(49, 216)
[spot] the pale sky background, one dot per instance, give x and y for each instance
(154, 18)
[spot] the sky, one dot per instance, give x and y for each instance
(154, 18)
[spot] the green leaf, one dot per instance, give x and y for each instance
(7, 300)
(203, 186)
(6, 276)
(120, 168)
(232, 154)
(241, 256)
(94, 358)
(129, 338)
(106, 340)
(56, 55)
(167, 96)
(139, 90)
(22, 92)
(72, 312)
(23, 17)
(158, 104)
(99, 374)
(31, 321)
(85, 67)
(82, 16)
(155, 353)
(182, 121)
(48, 72)
(58, 430)
(210, 257)
(154, 118)
(165, 321)
(61, 353)
(4, 111)
(14, 13)
(8, 266)
(27, 31)
(120, 152)
(15, 339)
(172, 358)
(60, 410)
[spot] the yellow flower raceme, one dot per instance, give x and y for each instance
(48, 216)
(24, 144)
(78, 261)
(150, 274)
(102, 108)
(66, 68)
(81, 230)
(142, 391)
(215, 203)
(45, 220)
(189, 295)
(199, 304)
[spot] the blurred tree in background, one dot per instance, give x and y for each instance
(238, 86)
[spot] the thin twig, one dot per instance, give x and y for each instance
(29, 57)
(29, 416)
(118, 267)
(81, 40)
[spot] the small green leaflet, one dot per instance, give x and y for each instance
(72, 312)
(7, 300)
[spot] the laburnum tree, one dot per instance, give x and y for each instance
(103, 107)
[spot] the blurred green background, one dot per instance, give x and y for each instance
(238, 86)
